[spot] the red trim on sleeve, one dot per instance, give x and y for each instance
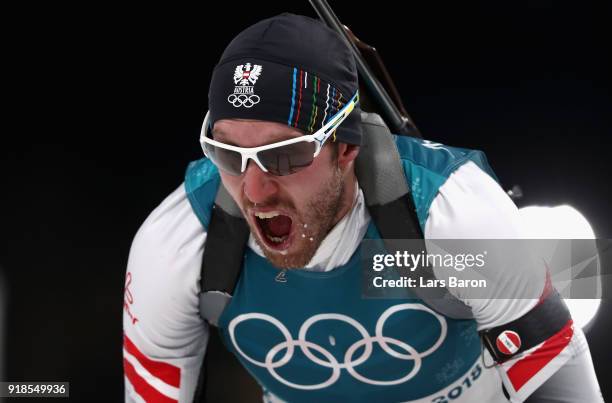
(548, 288)
(146, 391)
(523, 370)
(162, 370)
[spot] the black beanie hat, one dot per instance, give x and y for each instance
(290, 69)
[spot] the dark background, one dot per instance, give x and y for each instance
(105, 105)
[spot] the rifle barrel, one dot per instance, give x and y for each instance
(400, 124)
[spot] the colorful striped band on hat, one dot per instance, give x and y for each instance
(323, 105)
(250, 88)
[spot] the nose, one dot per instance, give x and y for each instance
(259, 186)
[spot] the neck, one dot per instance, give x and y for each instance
(349, 189)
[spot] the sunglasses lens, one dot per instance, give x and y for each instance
(228, 160)
(289, 159)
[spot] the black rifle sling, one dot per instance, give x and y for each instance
(226, 239)
(387, 195)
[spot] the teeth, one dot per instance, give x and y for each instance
(269, 214)
(276, 239)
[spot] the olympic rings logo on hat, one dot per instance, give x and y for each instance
(239, 100)
(245, 77)
(349, 363)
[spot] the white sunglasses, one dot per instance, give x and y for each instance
(282, 158)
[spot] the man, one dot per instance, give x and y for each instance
(282, 137)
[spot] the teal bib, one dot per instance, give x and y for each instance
(311, 337)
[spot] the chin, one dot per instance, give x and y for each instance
(288, 258)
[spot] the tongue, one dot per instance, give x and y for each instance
(279, 226)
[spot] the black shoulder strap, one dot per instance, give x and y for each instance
(387, 196)
(226, 239)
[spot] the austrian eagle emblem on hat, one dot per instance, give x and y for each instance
(245, 77)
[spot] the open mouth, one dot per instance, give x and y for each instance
(274, 229)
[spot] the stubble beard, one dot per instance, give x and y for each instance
(318, 215)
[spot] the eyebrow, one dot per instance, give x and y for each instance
(278, 137)
(215, 133)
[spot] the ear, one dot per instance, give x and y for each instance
(346, 154)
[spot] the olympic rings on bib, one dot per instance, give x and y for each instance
(245, 100)
(327, 359)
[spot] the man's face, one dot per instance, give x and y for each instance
(288, 215)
